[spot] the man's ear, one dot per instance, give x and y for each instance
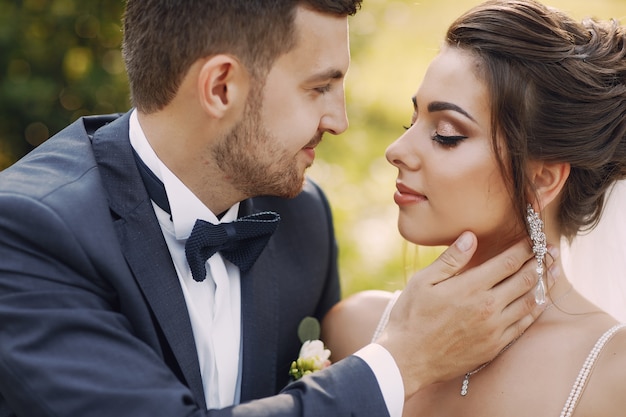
(222, 85)
(548, 179)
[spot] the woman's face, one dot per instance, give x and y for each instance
(449, 180)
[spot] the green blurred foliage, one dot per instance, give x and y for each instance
(61, 59)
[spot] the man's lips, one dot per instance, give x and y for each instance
(309, 149)
(310, 152)
(406, 196)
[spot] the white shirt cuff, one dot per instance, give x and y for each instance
(387, 374)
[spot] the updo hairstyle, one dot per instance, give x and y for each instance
(558, 94)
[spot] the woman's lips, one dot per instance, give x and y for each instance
(405, 196)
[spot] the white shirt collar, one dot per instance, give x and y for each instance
(185, 206)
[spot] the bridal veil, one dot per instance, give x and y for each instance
(595, 262)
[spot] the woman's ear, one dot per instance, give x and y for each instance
(548, 179)
(222, 85)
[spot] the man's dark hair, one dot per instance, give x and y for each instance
(163, 38)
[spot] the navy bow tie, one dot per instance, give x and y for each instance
(241, 242)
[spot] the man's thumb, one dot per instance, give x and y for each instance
(453, 259)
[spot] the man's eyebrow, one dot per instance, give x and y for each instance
(442, 105)
(331, 74)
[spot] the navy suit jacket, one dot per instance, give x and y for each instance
(93, 321)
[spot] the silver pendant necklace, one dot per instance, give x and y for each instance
(466, 379)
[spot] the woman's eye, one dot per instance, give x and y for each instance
(448, 141)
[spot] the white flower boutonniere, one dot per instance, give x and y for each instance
(313, 355)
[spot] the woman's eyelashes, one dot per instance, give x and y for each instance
(448, 141)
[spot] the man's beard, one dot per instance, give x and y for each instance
(254, 161)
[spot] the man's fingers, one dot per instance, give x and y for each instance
(532, 310)
(453, 259)
(497, 269)
(520, 283)
(524, 310)
(520, 313)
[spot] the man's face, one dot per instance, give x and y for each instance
(269, 150)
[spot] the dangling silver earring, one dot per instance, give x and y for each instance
(535, 230)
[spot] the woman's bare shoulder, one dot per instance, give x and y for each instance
(351, 323)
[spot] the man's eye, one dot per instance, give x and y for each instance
(323, 89)
(448, 141)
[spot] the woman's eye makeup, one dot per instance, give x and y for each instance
(448, 141)
(450, 137)
(447, 134)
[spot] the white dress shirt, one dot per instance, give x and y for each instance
(214, 304)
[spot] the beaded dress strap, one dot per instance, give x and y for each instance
(385, 317)
(585, 372)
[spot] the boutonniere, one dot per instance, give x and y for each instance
(313, 355)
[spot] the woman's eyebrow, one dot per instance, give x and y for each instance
(442, 105)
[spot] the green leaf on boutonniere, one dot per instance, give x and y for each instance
(313, 354)
(309, 329)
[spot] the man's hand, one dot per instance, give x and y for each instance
(444, 324)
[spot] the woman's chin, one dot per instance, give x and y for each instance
(423, 239)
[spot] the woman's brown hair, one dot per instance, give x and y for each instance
(558, 94)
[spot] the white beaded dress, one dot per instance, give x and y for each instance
(583, 375)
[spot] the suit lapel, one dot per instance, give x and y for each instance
(144, 247)
(260, 320)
